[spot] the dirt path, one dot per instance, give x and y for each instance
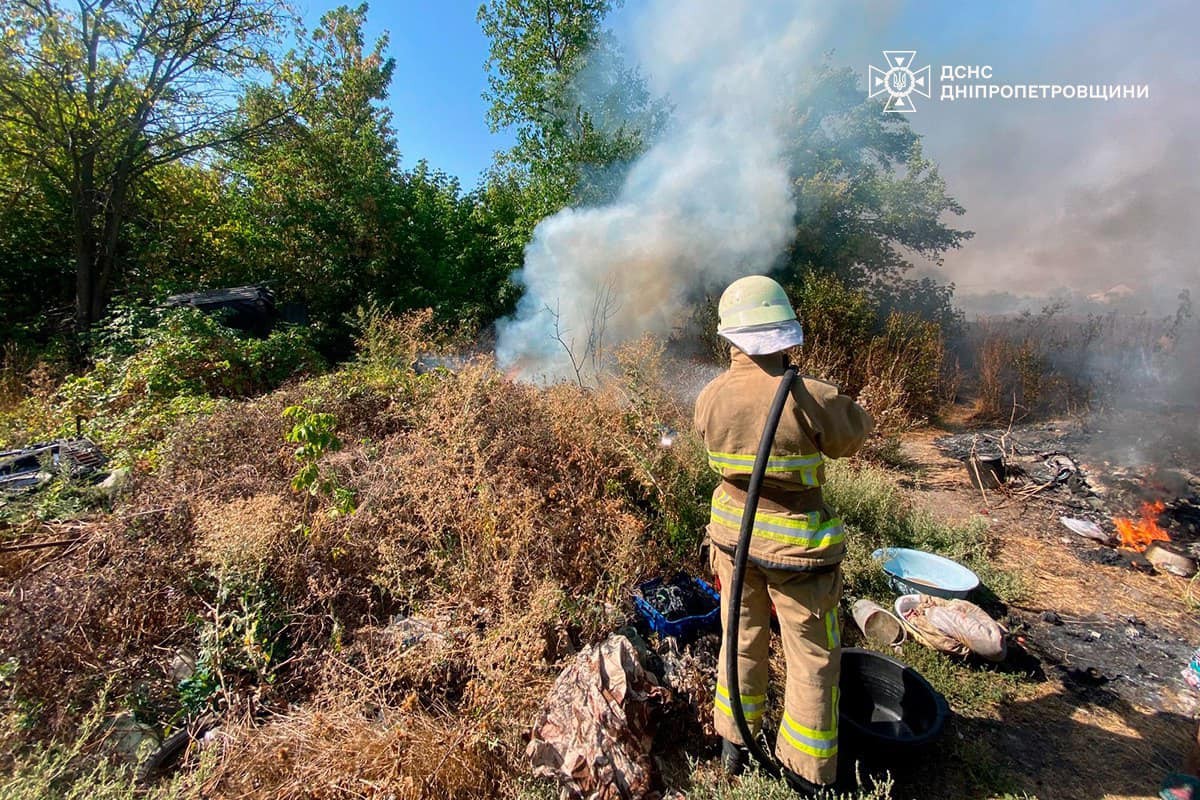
(1112, 716)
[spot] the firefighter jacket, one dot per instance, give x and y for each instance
(793, 528)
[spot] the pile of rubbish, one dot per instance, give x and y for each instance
(1142, 515)
(1023, 466)
(932, 608)
(597, 724)
(30, 467)
(679, 598)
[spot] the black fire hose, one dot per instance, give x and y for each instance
(740, 556)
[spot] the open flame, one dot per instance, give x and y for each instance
(1137, 535)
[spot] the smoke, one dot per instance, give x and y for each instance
(1067, 198)
(708, 202)
(1070, 198)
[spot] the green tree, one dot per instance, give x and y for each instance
(324, 211)
(458, 249)
(35, 269)
(182, 233)
(100, 93)
(867, 196)
(580, 112)
(317, 198)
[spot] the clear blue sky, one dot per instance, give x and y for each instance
(436, 94)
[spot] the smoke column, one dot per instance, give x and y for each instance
(709, 201)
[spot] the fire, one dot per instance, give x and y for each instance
(1138, 535)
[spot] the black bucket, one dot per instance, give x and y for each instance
(888, 710)
(986, 472)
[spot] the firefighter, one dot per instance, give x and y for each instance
(797, 545)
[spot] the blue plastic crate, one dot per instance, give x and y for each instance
(684, 627)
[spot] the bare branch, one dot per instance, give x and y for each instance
(576, 363)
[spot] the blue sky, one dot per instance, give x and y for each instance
(1045, 184)
(436, 94)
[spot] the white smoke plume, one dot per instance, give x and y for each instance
(709, 201)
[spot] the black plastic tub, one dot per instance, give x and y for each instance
(887, 709)
(986, 472)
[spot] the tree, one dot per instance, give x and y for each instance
(35, 271)
(101, 93)
(326, 213)
(867, 197)
(579, 110)
(318, 196)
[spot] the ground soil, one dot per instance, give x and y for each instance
(1112, 716)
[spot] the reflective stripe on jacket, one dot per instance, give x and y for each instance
(792, 529)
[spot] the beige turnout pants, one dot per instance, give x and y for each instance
(807, 605)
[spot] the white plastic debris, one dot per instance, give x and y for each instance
(1085, 528)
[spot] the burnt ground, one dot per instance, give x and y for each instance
(1109, 714)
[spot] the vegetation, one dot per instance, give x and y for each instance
(152, 369)
(98, 96)
(495, 527)
(580, 112)
(355, 541)
(1051, 362)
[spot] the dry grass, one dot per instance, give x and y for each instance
(242, 535)
(335, 752)
(505, 524)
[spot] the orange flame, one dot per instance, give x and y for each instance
(1138, 535)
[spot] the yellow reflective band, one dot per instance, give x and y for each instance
(806, 464)
(753, 705)
(809, 532)
(816, 743)
(833, 634)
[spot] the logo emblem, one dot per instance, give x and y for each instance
(899, 81)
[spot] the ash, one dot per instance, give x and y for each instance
(1104, 657)
(1097, 468)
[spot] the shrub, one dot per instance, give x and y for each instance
(894, 365)
(833, 313)
(155, 368)
(78, 769)
(499, 527)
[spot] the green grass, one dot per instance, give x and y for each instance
(712, 785)
(61, 498)
(970, 689)
(70, 771)
(878, 515)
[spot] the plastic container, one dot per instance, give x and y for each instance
(684, 627)
(918, 572)
(986, 472)
(887, 709)
(878, 624)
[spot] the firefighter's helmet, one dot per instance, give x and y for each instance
(756, 316)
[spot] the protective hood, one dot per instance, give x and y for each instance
(761, 340)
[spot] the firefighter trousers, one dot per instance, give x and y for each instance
(807, 606)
